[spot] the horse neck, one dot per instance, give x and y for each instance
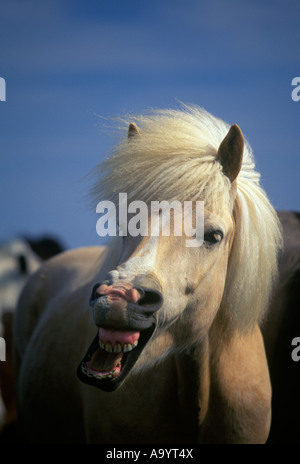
(185, 369)
(192, 369)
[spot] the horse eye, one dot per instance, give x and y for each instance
(212, 237)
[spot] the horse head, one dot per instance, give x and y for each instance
(154, 289)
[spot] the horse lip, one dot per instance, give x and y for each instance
(112, 384)
(121, 293)
(139, 316)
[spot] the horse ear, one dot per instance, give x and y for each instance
(133, 130)
(230, 153)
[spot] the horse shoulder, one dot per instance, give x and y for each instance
(61, 273)
(240, 391)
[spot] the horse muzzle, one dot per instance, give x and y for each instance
(125, 313)
(125, 305)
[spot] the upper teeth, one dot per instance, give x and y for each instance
(117, 348)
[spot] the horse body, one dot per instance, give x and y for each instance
(178, 355)
(166, 401)
(280, 327)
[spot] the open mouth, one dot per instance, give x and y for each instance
(111, 357)
(126, 320)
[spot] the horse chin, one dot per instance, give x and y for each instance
(115, 367)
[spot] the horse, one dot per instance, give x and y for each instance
(17, 261)
(19, 258)
(280, 327)
(147, 339)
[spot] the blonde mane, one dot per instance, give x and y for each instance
(174, 158)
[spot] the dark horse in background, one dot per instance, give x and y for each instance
(19, 258)
(281, 326)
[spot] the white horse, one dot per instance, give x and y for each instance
(178, 354)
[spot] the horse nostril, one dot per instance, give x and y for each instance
(151, 298)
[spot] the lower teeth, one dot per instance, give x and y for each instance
(100, 375)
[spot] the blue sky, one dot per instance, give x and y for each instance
(66, 63)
